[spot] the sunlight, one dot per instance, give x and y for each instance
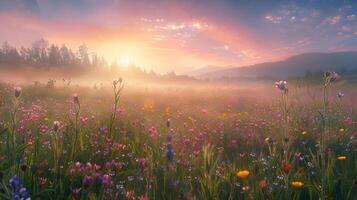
(126, 60)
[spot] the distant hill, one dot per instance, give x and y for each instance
(295, 66)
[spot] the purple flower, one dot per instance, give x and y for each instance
(15, 182)
(332, 76)
(281, 85)
(19, 191)
(169, 153)
(106, 180)
(87, 181)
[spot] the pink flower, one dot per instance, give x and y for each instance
(18, 91)
(282, 86)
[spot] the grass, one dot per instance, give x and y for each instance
(178, 143)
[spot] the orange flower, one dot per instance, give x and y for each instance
(243, 174)
(341, 158)
(297, 184)
(285, 166)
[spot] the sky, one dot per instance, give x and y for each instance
(184, 35)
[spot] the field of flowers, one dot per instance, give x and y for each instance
(281, 140)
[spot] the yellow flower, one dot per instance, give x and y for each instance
(304, 132)
(297, 184)
(243, 174)
(342, 129)
(341, 158)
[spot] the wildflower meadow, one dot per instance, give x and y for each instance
(285, 140)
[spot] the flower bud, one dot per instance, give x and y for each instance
(18, 91)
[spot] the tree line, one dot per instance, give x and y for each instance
(42, 54)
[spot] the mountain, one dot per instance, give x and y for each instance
(295, 66)
(205, 70)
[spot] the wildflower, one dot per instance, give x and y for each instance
(245, 188)
(334, 77)
(304, 132)
(116, 81)
(23, 167)
(243, 174)
(87, 181)
(106, 180)
(75, 192)
(142, 163)
(297, 184)
(19, 191)
(340, 95)
(168, 122)
(282, 86)
(76, 99)
(56, 125)
(169, 153)
(18, 91)
(42, 181)
(285, 166)
(263, 184)
(269, 140)
(342, 130)
(77, 164)
(341, 158)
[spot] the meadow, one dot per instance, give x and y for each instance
(274, 140)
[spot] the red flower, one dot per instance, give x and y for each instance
(285, 166)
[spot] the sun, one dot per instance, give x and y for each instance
(126, 60)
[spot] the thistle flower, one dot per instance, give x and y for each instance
(243, 174)
(282, 86)
(332, 76)
(297, 184)
(18, 91)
